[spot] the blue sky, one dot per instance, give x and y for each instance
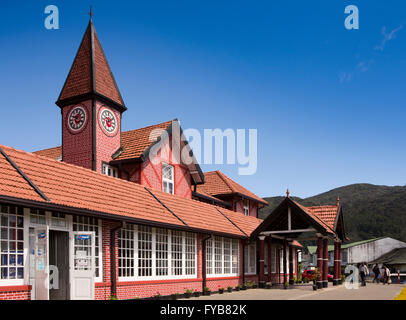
(328, 103)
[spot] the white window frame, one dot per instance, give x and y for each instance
(26, 265)
(166, 180)
(246, 206)
(211, 257)
(170, 275)
(109, 170)
(250, 258)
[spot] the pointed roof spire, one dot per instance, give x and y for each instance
(338, 201)
(90, 75)
(90, 13)
(287, 193)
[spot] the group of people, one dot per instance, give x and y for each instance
(380, 274)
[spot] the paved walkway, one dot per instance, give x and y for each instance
(370, 292)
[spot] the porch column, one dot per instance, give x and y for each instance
(285, 275)
(291, 269)
(278, 264)
(335, 280)
(325, 263)
(269, 259)
(320, 261)
(339, 262)
(261, 261)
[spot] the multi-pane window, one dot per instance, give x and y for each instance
(144, 251)
(37, 217)
(222, 256)
(109, 170)
(81, 223)
(190, 253)
(273, 260)
(11, 243)
(58, 220)
(177, 237)
(126, 252)
(265, 257)
(250, 258)
(235, 249)
(167, 178)
(209, 256)
(227, 255)
(246, 208)
(156, 253)
(162, 264)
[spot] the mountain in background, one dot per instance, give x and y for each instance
(370, 211)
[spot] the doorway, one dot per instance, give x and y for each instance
(59, 257)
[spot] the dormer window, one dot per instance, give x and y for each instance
(109, 170)
(246, 208)
(167, 178)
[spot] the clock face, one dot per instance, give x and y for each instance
(108, 121)
(77, 118)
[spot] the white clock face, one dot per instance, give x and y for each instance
(108, 121)
(77, 118)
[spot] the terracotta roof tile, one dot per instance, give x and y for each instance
(52, 153)
(218, 184)
(90, 67)
(80, 188)
(325, 215)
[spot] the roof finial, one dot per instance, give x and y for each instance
(287, 193)
(338, 201)
(90, 13)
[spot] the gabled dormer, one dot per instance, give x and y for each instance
(219, 186)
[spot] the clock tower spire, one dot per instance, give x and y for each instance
(91, 107)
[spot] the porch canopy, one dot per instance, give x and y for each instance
(291, 221)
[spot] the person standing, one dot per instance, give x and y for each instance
(362, 273)
(376, 272)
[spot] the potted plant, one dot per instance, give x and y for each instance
(206, 291)
(249, 284)
(175, 296)
(221, 290)
(268, 285)
(286, 285)
(244, 287)
(230, 289)
(237, 287)
(188, 293)
(113, 297)
(342, 278)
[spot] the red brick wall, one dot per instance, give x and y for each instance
(77, 148)
(15, 293)
(106, 145)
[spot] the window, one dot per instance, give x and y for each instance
(37, 217)
(81, 223)
(145, 251)
(126, 252)
(190, 252)
(250, 258)
(162, 252)
(246, 208)
(58, 220)
(156, 253)
(223, 258)
(167, 178)
(109, 170)
(12, 243)
(266, 257)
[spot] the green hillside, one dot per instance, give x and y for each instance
(370, 211)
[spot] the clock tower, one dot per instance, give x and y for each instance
(91, 107)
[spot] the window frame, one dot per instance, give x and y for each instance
(106, 167)
(166, 180)
(246, 207)
(155, 258)
(211, 254)
(250, 251)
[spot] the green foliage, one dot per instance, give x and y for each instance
(370, 211)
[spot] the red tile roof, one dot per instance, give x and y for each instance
(218, 184)
(325, 215)
(134, 142)
(90, 71)
(79, 188)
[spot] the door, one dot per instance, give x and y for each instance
(41, 263)
(82, 265)
(58, 265)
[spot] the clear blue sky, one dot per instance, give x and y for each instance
(328, 103)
